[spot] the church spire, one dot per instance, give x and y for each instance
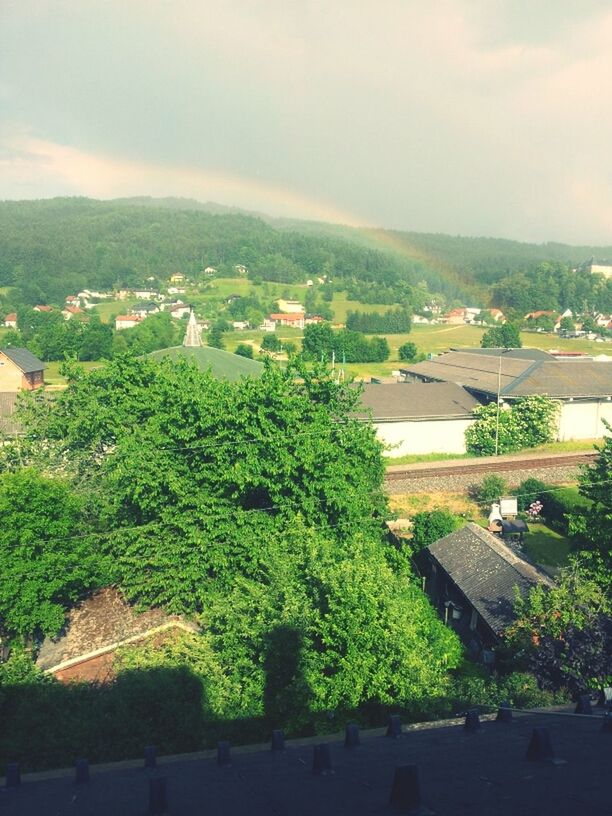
(192, 335)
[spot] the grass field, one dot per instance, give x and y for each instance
(545, 546)
(570, 446)
(110, 308)
(54, 379)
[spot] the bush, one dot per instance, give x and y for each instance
(407, 352)
(529, 491)
(244, 350)
(562, 503)
(429, 527)
(270, 342)
(490, 489)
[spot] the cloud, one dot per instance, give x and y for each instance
(453, 116)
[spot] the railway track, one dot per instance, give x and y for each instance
(488, 465)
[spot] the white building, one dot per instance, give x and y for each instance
(127, 321)
(290, 306)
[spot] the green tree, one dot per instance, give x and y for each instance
(589, 324)
(505, 336)
(428, 527)
(567, 324)
(215, 338)
(407, 352)
(270, 342)
(527, 423)
(47, 558)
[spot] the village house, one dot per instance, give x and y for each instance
(297, 321)
(583, 388)
(241, 269)
(177, 277)
(20, 370)
(127, 321)
(268, 325)
(144, 309)
(72, 300)
(176, 290)
(146, 294)
(71, 311)
(95, 629)
(124, 294)
(471, 576)
(210, 271)
(42, 308)
(455, 317)
(10, 321)
(497, 315)
(419, 417)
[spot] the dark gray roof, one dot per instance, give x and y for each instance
(475, 371)
(519, 378)
(486, 571)
(8, 403)
(24, 359)
(398, 401)
(564, 378)
(516, 354)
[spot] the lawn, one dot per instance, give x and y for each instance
(546, 547)
(111, 308)
(55, 380)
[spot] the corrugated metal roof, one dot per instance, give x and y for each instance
(23, 359)
(486, 571)
(564, 378)
(476, 371)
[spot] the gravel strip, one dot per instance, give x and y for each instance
(460, 482)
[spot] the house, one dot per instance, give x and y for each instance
(290, 306)
(20, 370)
(179, 310)
(43, 308)
(177, 277)
(9, 427)
(146, 294)
(241, 269)
(455, 316)
(471, 576)
(472, 314)
(541, 313)
(210, 271)
(268, 325)
(309, 321)
(419, 417)
(10, 321)
(71, 311)
(583, 388)
(176, 290)
(295, 320)
(95, 629)
(127, 321)
(144, 309)
(72, 300)
(123, 294)
(240, 325)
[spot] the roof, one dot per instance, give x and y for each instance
(479, 372)
(97, 625)
(11, 316)
(564, 378)
(23, 359)
(397, 401)
(73, 309)
(486, 571)
(41, 308)
(132, 318)
(8, 404)
(222, 364)
(516, 354)
(459, 772)
(287, 316)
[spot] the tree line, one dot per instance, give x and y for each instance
(393, 321)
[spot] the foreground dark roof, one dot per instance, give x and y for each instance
(24, 359)
(397, 401)
(460, 773)
(486, 571)
(8, 403)
(564, 378)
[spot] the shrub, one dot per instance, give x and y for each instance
(429, 527)
(562, 503)
(244, 350)
(407, 352)
(529, 491)
(490, 489)
(270, 342)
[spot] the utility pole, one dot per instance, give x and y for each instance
(499, 370)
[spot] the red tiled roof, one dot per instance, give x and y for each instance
(292, 316)
(10, 317)
(43, 308)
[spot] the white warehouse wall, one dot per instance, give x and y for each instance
(424, 436)
(582, 419)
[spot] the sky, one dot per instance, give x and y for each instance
(472, 117)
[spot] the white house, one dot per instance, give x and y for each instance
(179, 310)
(210, 271)
(127, 321)
(268, 325)
(295, 320)
(419, 417)
(10, 321)
(146, 294)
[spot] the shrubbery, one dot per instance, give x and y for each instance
(428, 527)
(527, 423)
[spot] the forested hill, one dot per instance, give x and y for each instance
(52, 248)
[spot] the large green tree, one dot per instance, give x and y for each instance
(47, 559)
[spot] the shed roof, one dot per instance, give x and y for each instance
(486, 571)
(23, 359)
(397, 401)
(516, 354)
(8, 403)
(99, 624)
